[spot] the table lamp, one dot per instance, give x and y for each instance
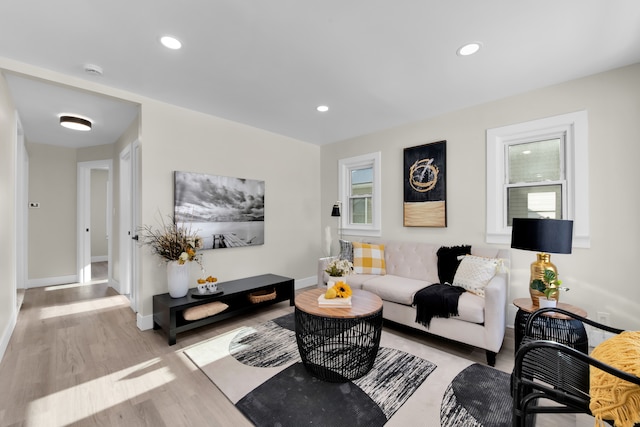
(544, 236)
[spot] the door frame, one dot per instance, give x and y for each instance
(129, 220)
(84, 218)
(22, 212)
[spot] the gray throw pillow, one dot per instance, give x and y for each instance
(346, 250)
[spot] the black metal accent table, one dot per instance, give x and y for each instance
(555, 327)
(338, 344)
(167, 311)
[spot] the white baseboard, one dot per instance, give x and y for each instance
(144, 323)
(51, 281)
(115, 285)
(6, 334)
(99, 258)
(305, 283)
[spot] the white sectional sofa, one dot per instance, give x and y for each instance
(412, 266)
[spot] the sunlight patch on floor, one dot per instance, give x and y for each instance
(203, 355)
(83, 307)
(74, 285)
(77, 403)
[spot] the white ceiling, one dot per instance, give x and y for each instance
(268, 64)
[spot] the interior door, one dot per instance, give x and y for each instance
(130, 222)
(84, 216)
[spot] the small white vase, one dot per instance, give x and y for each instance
(333, 280)
(544, 302)
(177, 279)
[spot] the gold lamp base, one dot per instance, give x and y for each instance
(542, 263)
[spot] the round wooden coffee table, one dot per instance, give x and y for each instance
(338, 344)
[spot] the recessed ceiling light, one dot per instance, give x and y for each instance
(322, 108)
(469, 49)
(75, 123)
(170, 42)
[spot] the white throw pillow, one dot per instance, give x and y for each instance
(474, 273)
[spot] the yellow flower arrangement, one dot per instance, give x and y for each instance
(342, 290)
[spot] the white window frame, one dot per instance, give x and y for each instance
(574, 127)
(345, 166)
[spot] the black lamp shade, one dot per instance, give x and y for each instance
(542, 235)
(336, 210)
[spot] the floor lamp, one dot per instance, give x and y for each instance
(335, 212)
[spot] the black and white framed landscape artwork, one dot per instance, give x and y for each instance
(224, 211)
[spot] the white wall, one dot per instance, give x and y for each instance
(52, 227)
(602, 278)
(7, 215)
(178, 139)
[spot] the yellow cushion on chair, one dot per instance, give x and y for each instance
(611, 397)
(368, 259)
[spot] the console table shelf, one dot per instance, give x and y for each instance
(168, 312)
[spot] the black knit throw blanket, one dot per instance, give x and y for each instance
(436, 301)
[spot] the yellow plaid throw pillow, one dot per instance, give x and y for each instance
(368, 259)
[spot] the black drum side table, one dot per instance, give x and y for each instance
(338, 344)
(554, 327)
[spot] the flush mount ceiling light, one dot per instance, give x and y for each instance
(469, 49)
(170, 42)
(75, 123)
(322, 108)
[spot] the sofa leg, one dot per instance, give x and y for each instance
(491, 358)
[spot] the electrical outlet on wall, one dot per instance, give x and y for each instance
(34, 205)
(604, 318)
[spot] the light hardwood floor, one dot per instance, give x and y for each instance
(77, 358)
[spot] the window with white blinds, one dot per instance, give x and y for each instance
(536, 184)
(359, 185)
(538, 169)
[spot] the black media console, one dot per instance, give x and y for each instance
(168, 312)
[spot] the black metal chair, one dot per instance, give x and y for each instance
(547, 369)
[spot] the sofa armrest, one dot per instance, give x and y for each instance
(322, 266)
(495, 310)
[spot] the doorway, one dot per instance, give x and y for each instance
(94, 217)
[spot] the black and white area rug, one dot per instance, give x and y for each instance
(259, 369)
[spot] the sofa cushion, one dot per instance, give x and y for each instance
(368, 258)
(474, 273)
(471, 308)
(356, 280)
(393, 288)
(448, 261)
(401, 290)
(414, 260)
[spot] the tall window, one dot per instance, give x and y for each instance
(359, 192)
(361, 195)
(538, 169)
